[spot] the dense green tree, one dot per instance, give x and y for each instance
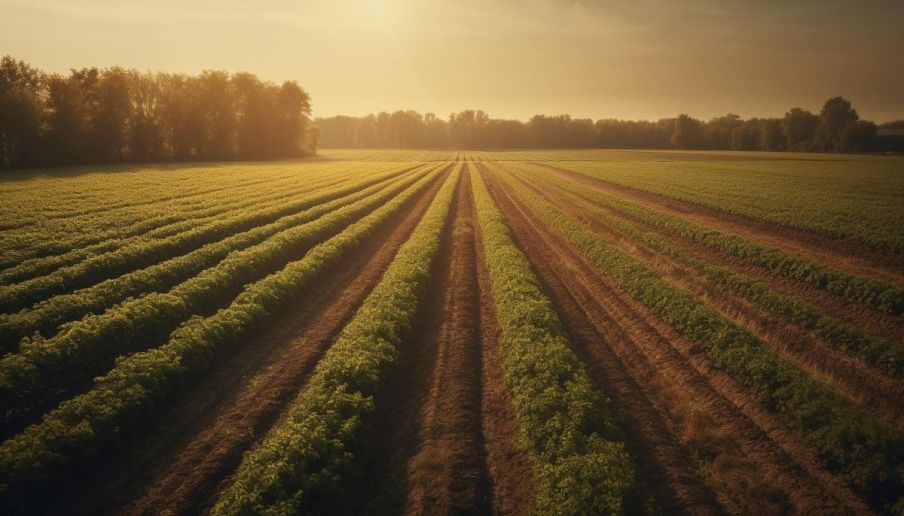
(717, 132)
(799, 128)
(107, 115)
(111, 115)
(21, 87)
(837, 113)
(771, 137)
(688, 133)
(858, 136)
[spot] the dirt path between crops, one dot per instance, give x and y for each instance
(870, 320)
(178, 464)
(753, 459)
(877, 393)
(838, 254)
(430, 451)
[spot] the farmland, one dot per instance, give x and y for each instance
(395, 331)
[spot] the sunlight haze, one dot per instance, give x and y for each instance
(631, 60)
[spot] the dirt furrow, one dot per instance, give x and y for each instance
(880, 395)
(178, 465)
(662, 460)
(426, 452)
(748, 452)
(447, 473)
(508, 466)
(870, 320)
(841, 255)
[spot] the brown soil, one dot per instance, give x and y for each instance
(749, 457)
(867, 318)
(880, 395)
(838, 254)
(509, 466)
(428, 445)
(177, 465)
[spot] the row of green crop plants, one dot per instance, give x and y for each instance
(29, 204)
(848, 442)
(45, 317)
(850, 202)
(152, 213)
(880, 353)
(139, 254)
(578, 459)
(87, 347)
(305, 455)
(141, 385)
(52, 250)
(856, 289)
(156, 218)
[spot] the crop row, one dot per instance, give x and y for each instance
(88, 346)
(139, 254)
(880, 296)
(46, 316)
(855, 204)
(141, 385)
(156, 218)
(78, 197)
(846, 337)
(305, 456)
(865, 452)
(53, 250)
(50, 233)
(580, 463)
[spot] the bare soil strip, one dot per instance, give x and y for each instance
(870, 320)
(509, 466)
(180, 462)
(426, 450)
(661, 459)
(834, 253)
(447, 473)
(751, 455)
(880, 395)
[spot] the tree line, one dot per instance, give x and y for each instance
(837, 127)
(116, 115)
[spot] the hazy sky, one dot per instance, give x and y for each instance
(622, 59)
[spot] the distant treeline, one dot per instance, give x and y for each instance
(118, 115)
(837, 127)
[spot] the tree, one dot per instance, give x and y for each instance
(66, 122)
(770, 137)
(110, 110)
(145, 131)
(799, 128)
(835, 116)
(688, 133)
(293, 111)
(717, 132)
(466, 128)
(21, 90)
(858, 136)
(216, 104)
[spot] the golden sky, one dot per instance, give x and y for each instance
(611, 58)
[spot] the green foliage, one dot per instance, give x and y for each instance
(112, 115)
(139, 254)
(46, 317)
(882, 354)
(846, 440)
(854, 199)
(140, 385)
(88, 346)
(307, 455)
(580, 464)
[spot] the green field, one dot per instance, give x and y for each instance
(385, 331)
